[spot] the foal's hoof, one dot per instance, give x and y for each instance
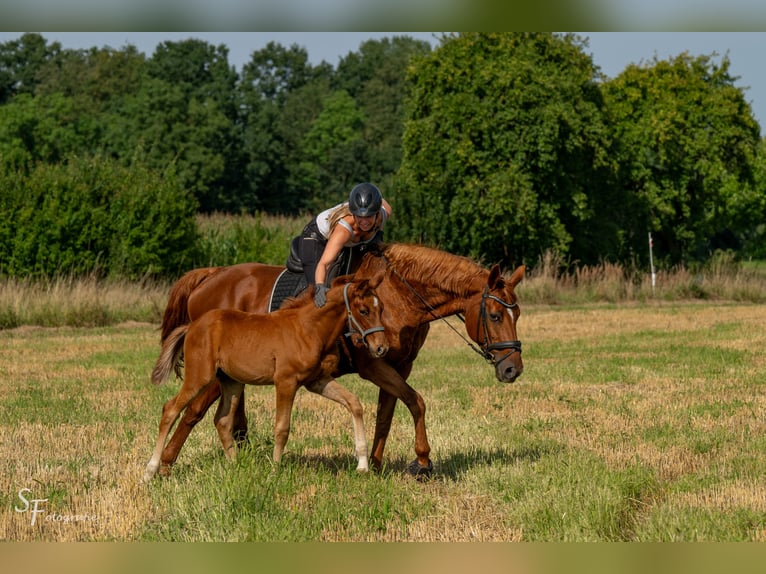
(420, 472)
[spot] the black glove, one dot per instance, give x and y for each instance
(320, 295)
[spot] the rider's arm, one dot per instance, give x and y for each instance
(339, 237)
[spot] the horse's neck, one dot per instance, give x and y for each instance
(438, 301)
(443, 286)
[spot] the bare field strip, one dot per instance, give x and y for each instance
(642, 422)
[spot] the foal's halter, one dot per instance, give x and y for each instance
(355, 327)
(486, 346)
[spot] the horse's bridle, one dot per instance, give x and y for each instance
(353, 325)
(486, 346)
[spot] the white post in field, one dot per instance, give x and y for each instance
(651, 261)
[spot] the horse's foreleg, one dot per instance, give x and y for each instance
(393, 386)
(285, 398)
(231, 396)
(194, 413)
(383, 418)
(331, 389)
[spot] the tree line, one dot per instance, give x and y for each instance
(498, 146)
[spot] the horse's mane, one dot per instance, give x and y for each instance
(299, 300)
(431, 266)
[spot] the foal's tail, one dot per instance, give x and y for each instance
(177, 310)
(170, 355)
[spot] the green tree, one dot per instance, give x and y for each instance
(44, 128)
(185, 113)
(375, 77)
(281, 95)
(20, 63)
(753, 228)
(685, 142)
(505, 149)
(333, 141)
(93, 215)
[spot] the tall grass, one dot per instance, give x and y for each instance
(722, 278)
(79, 302)
(230, 239)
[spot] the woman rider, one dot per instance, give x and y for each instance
(354, 223)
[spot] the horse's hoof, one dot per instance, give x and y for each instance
(420, 472)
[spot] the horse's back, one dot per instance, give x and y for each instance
(244, 287)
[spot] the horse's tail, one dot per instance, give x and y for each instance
(170, 355)
(177, 309)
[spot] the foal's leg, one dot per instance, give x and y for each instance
(170, 411)
(194, 413)
(231, 396)
(286, 390)
(331, 389)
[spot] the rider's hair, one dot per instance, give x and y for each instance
(342, 211)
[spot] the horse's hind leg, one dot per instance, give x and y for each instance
(194, 413)
(170, 411)
(331, 389)
(232, 393)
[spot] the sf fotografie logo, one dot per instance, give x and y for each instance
(37, 506)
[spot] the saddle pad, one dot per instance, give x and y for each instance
(287, 285)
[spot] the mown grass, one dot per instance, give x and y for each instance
(632, 422)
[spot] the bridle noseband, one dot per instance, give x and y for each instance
(486, 346)
(354, 326)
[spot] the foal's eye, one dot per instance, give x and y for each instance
(364, 312)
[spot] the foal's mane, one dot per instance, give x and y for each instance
(429, 266)
(299, 300)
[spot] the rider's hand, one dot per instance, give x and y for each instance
(320, 295)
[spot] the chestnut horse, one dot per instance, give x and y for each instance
(421, 284)
(290, 348)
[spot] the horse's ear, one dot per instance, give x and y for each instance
(342, 280)
(517, 276)
(377, 279)
(494, 276)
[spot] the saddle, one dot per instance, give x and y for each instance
(292, 280)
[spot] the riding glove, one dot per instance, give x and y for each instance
(320, 295)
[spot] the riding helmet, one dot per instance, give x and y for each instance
(365, 200)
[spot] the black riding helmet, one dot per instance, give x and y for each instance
(365, 200)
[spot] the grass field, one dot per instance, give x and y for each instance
(632, 422)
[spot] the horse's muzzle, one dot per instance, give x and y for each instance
(508, 370)
(376, 352)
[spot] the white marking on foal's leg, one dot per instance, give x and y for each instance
(360, 447)
(151, 468)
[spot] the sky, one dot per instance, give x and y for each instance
(611, 51)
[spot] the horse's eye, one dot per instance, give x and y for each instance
(495, 317)
(364, 312)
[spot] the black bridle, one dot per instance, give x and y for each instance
(354, 326)
(486, 346)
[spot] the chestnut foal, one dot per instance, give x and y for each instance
(294, 346)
